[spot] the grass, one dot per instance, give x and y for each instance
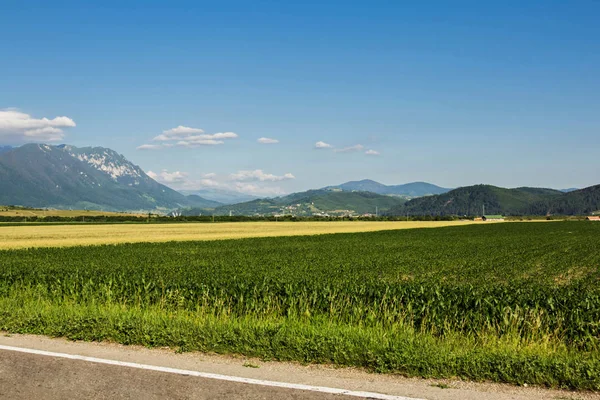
(380, 349)
(14, 237)
(517, 303)
(441, 386)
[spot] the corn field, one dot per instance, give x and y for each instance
(497, 289)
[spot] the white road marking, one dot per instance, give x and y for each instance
(207, 375)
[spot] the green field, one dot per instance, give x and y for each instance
(516, 303)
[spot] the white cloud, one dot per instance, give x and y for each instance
(322, 145)
(253, 182)
(177, 133)
(224, 135)
(163, 138)
(209, 180)
(191, 134)
(45, 131)
(182, 131)
(264, 140)
(257, 190)
(197, 143)
(168, 177)
(214, 136)
(19, 126)
(259, 175)
(210, 183)
(184, 136)
(150, 147)
(350, 149)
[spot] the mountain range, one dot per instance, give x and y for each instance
(312, 202)
(39, 175)
(350, 198)
(463, 201)
(414, 189)
(62, 177)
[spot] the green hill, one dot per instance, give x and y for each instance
(578, 202)
(470, 200)
(313, 202)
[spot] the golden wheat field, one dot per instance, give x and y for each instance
(13, 237)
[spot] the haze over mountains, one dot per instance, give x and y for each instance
(222, 196)
(4, 149)
(414, 189)
(44, 176)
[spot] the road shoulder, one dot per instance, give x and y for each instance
(312, 375)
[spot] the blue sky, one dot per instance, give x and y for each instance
(453, 93)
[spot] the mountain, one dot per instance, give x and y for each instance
(365, 185)
(314, 202)
(519, 201)
(222, 196)
(414, 189)
(196, 201)
(470, 200)
(568, 190)
(39, 175)
(4, 149)
(577, 202)
(417, 189)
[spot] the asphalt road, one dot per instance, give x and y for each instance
(30, 376)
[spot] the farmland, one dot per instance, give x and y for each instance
(77, 235)
(512, 302)
(10, 211)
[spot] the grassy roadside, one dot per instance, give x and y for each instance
(398, 349)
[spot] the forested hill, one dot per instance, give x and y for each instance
(520, 201)
(578, 202)
(312, 202)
